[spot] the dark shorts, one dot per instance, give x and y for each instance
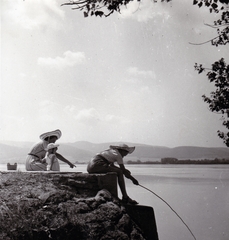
(98, 164)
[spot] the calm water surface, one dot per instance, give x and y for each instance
(198, 193)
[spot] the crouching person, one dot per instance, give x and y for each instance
(103, 162)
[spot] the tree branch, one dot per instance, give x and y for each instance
(206, 41)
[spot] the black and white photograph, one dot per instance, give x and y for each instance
(114, 120)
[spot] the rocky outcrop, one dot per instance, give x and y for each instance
(38, 205)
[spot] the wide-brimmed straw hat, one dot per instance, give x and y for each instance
(51, 146)
(123, 147)
(56, 133)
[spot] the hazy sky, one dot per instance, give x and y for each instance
(129, 77)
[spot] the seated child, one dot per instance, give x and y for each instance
(50, 157)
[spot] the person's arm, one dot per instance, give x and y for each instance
(127, 174)
(124, 170)
(60, 157)
(43, 160)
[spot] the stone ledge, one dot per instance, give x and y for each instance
(85, 181)
(89, 184)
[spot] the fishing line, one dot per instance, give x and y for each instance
(170, 208)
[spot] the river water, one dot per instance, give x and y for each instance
(198, 193)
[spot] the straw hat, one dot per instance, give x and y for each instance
(51, 146)
(123, 147)
(56, 133)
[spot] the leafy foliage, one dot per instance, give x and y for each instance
(219, 99)
(213, 5)
(222, 24)
(219, 73)
(223, 35)
(100, 7)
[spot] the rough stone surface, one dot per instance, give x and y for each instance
(61, 206)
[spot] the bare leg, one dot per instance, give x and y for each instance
(111, 168)
(121, 181)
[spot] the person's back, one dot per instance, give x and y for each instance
(33, 160)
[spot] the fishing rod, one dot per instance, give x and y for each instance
(170, 208)
(135, 181)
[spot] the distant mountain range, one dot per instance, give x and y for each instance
(83, 151)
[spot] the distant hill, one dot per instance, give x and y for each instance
(74, 154)
(185, 152)
(12, 153)
(82, 151)
(144, 151)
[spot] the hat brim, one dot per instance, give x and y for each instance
(128, 149)
(57, 133)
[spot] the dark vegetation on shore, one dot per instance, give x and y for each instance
(176, 161)
(168, 161)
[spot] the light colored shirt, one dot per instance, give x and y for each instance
(39, 149)
(112, 155)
